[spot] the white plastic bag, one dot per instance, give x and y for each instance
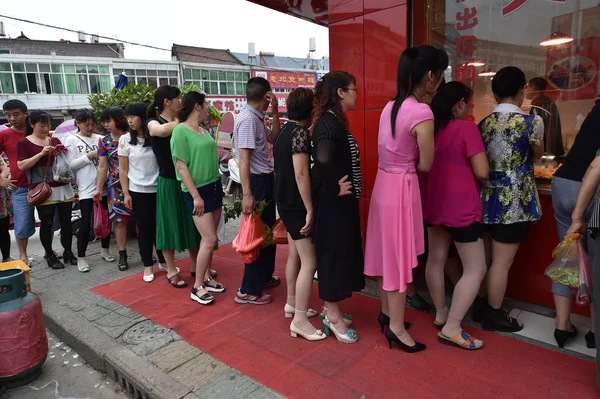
(61, 171)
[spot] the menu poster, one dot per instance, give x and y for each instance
(572, 69)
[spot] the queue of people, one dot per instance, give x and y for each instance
(470, 188)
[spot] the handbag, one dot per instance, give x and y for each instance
(41, 191)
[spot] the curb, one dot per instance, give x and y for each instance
(138, 376)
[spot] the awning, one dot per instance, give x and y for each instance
(311, 10)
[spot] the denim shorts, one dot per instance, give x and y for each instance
(23, 214)
(212, 195)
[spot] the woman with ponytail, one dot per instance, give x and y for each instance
(139, 175)
(175, 230)
(395, 235)
(336, 184)
(197, 168)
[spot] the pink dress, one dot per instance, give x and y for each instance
(395, 235)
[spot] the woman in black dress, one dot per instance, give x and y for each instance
(294, 203)
(337, 184)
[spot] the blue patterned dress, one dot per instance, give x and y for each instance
(508, 135)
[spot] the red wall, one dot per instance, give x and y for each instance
(366, 39)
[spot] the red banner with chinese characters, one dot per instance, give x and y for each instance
(236, 103)
(572, 69)
(287, 80)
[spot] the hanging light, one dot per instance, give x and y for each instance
(557, 38)
(487, 72)
(476, 63)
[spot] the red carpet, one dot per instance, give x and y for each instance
(255, 340)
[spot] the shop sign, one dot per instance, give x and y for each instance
(236, 103)
(466, 44)
(287, 80)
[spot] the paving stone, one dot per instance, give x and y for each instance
(232, 384)
(115, 325)
(174, 355)
(110, 305)
(94, 313)
(126, 312)
(191, 396)
(147, 337)
(199, 371)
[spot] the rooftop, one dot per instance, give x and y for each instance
(274, 61)
(25, 46)
(203, 55)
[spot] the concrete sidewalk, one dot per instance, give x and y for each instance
(148, 360)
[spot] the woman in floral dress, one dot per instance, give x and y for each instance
(510, 200)
(113, 119)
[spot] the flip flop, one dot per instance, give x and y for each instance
(461, 340)
(175, 281)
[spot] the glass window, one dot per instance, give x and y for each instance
(93, 68)
(152, 82)
(44, 67)
(94, 84)
(142, 81)
(239, 76)
(21, 82)
(152, 72)
(58, 86)
(205, 74)
(223, 88)
(230, 88)
(45, 83)
(81, 68)
(246, 76)
(103, 69)
(486, 35)
(173, 73)
(188, 74)
(163, 81)
(57, 68)
(31, 67)
(69, 68)
(172, 81)
(83, 84)
(240, 88)
(140, 72)
(130, 73)
(72, 86)
(222, 75)
(214, 75)
(6, 83)
(18, 67)
(4, 66)
(196, 74)
(214, 88)
(230, 76)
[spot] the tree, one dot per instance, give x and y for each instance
(133, 93)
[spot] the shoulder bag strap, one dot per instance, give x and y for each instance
(49, 161)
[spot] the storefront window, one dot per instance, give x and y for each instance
(224, 83)
(555, 40)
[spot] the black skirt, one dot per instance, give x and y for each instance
(293, 221)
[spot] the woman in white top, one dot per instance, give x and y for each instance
(83, 159)
(139, 178)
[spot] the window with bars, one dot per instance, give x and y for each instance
(151, 77)
(46, 78)
(224, 83)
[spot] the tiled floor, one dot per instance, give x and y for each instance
(541, 328)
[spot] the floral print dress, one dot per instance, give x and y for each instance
(107, 147)
(511, 196)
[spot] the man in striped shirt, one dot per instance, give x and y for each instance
(252, 149)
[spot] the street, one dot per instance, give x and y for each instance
(66, 376)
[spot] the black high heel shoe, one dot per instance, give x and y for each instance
(391, 337)
(384, 321)
(562, 336)
(590, 340)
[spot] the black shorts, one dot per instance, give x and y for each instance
(212, 195)
(515, 233)
(466, 234)
(293, 221)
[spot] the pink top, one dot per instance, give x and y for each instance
(399, 154)
(450, 191)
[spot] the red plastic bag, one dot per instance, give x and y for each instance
(101, 223)
(280, 235)
(250, 237)
(584, 291)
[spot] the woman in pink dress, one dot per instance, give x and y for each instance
(453, 212)
(395, 234)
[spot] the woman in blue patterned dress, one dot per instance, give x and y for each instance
(510, 201)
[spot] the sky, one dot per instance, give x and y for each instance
(223, 24)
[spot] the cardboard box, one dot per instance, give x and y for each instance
(18, 264)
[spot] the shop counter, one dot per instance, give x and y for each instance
(527, 281)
